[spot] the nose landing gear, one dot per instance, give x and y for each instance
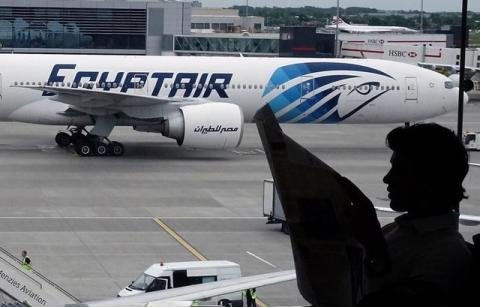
(87, 144)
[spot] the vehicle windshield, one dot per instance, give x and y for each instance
(142, 282)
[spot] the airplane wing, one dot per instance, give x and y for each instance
(196, 292)
(467, 220)
(93, 101)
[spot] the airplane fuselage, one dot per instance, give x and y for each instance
(298, 90)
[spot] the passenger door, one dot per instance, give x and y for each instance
(411, 89)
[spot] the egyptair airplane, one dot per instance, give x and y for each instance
(348, 28)
(203, 102)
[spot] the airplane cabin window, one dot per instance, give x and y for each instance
(249, 86)
(398, 88)
(244, 86)
(15, 83)
(255, 86)
(283, 87)
(183, 86)
(261, 86)
(165, 85)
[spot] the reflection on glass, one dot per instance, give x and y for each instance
(78, 28)
(142, 282)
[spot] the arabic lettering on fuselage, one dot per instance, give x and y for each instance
(218, 129)
(192, 84)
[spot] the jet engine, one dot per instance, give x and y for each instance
(467, 83)
(209, 125)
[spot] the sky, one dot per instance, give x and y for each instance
(428, 5)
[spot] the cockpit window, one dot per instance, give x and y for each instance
(449, 84)
(142, 282)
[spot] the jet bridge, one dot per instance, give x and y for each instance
(19, 287)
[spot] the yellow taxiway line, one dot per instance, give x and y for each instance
(179, 239)
(189, 247)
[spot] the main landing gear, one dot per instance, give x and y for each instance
(87, 144)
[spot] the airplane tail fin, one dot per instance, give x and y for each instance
(338, 20)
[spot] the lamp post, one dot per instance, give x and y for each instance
(421, 17)
(461, 91)
(337, 51)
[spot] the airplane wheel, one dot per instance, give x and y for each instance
(76, 137)
(100, 149)
(63, 139)
(83, 148)
(116, 149)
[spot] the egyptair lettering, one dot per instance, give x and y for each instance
(55, 77)
(185, 84)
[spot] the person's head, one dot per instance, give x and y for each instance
(27, 260)
(429, 164)
(24, 253)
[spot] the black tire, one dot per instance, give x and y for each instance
(225, 302)
(83, 148)
(63, 139)
(76, 137)
(100, 149)
(116, 149)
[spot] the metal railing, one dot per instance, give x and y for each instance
(38, 274)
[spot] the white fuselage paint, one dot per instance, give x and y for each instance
(417, 93)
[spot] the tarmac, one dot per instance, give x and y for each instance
(93, 224)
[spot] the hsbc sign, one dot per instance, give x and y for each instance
(402, 53)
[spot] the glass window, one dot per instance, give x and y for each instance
(142, 282)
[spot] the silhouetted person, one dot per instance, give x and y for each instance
(429, 258)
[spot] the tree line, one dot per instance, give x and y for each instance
(315, 16)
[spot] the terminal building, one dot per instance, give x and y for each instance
(92, 26)
(210, 20)
(161, 27)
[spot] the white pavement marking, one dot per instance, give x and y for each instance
(261, 259)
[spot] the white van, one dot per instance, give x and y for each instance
(161, 276)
